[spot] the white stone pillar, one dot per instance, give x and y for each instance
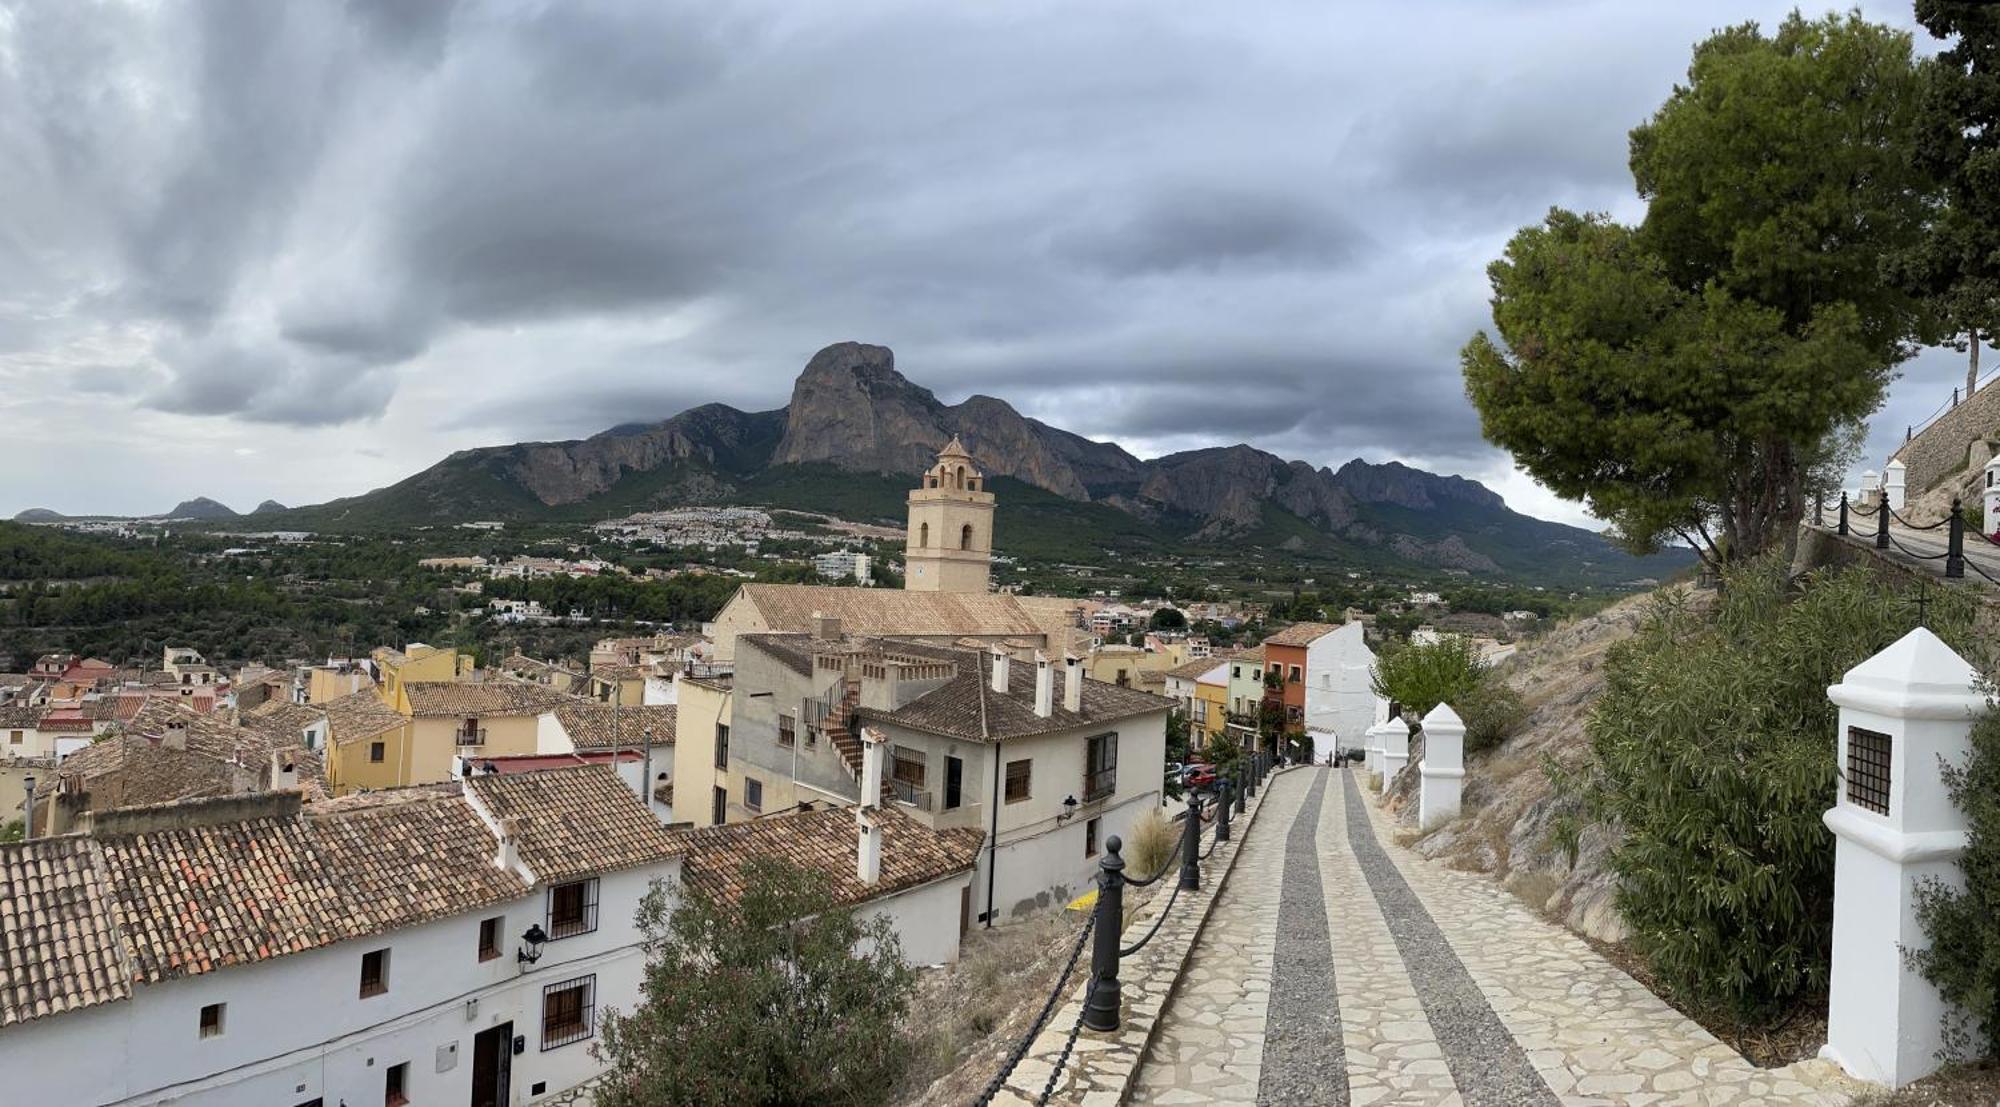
(1871, 487)
(1443, 770)
(1894, 478)
(1990, 495)
(1391, 739)
(1901, 713)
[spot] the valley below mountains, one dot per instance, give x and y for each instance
(857, 433)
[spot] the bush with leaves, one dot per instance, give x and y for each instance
(1963, 922)
(1449, 669)
(781, 997)
(1712, 753)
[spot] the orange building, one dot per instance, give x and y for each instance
(1285, 672)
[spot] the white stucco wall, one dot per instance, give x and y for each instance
(926, 919)
(296, 1028)
(1340, 705)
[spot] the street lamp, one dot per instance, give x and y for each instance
(28, 825)
(531, 945)
(1068, 811)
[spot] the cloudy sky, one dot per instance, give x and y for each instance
(301, 250)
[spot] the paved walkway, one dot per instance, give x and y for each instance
(1339, 968)
(1923, 550)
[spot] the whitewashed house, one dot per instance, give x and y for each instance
(439, 945)
(1340, 698)
(1047, 768)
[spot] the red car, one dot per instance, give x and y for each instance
(1196, 775)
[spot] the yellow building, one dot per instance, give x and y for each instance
(702, 781)
(450, 719)
(1121, 665)
(327, 683)
(623, 684)
(417, 663)
(367, 743)
(950, 544)
(1211, 705)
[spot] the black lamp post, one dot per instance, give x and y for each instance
(28, 826)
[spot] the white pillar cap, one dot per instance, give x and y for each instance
(1917, 677)
(1444, 720)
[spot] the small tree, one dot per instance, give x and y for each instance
(1421, 675)
(781, 997)
(1167, 618)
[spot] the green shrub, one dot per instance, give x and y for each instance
(1712, 751)
(1450, 670)
(1963, 924)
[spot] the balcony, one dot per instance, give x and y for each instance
(910, 794)
(472, 736)
(1097, 785)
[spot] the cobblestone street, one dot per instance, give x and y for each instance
(1339, 968)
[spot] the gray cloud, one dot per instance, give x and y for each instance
(1167, 225)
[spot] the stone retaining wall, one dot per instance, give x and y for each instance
(1940, 450)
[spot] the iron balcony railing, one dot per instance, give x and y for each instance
(910, 794)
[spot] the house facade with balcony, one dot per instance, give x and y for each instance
(1046, 765)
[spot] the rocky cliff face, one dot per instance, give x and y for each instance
(852, 409)
(558, 473)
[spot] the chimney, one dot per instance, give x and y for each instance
(868, 831)
(1045, 686)
(1001, 661)
(175, 737)
(825, 626)
(284, 770)
(1073, 684)
(508, 858)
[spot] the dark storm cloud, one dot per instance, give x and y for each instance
(1172, 225)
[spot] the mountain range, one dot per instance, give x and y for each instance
(857, 433)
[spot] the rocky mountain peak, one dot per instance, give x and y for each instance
(201, 507)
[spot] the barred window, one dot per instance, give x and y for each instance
(1868, 769)
(569, 1012)
(573, 908)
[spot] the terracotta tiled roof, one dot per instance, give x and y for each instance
(589, 724)
(1196, 669)
(194, 900)
(609, 672)
(281, 719)
(457, 699)
(1300, 634)
(824, 840)
(20, 716)
(360, 715)
(880, 611)
(967, 707)
(58, 950)
(573, 822)
(796, 651)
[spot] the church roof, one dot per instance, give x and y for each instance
(885, 612)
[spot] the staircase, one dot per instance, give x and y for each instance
(841, 731)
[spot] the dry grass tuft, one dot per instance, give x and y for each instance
(1151, 842)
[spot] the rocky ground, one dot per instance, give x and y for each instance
(1512, 806)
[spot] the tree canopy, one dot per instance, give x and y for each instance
(1685, 377)
(1958, 143)
(780, 997)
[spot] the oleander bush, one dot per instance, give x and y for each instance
(1712, 754)
(1963, 921)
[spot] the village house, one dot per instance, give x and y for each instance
(553, 674)
(646, 732)
(431, 945)
(1201, 687)
(1246, 689)
(447, 719)
(976, 740)
(700, 786)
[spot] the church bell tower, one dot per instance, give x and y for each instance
(950, 545)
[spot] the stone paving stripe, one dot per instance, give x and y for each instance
(1304, 1059)
(1487, 1064)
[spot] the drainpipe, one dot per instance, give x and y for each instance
(993, 836)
